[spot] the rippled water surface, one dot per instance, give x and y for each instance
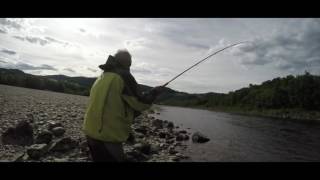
(246, 138)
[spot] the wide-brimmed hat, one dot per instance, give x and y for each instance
(110, 61)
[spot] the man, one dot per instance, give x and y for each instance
(113, 104)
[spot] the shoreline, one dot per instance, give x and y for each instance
(283, 114)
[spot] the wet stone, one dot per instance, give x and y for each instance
(58, 131)
(44, 136)
(37, 150)
(199, 138)
(63, 145)
(53, 124)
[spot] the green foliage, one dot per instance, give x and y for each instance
(302, 91)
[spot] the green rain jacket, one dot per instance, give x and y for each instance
(110, 112)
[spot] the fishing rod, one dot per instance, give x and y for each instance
(202, 61)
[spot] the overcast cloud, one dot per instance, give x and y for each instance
(162, 48)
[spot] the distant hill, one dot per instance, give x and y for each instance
(60, 83)
(302, 91)
(83, 81)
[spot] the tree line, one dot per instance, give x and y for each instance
(301, 91)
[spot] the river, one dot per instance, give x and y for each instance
(245, 138)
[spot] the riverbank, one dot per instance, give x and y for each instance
(290, 114)
(43, 126)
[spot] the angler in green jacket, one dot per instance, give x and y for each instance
(115, 100)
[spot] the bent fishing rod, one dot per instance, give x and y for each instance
(202, 61)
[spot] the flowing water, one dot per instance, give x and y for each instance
(246, 138)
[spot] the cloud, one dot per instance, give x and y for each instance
(294, 48)
(3, 31)
(50, 39)
(82, 30)
(42, 41)
(69, 69)
(92, 70)
(10, 23)
(7, 51)
(3, 61)
(24, 66)
(33, 40)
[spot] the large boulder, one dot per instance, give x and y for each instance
(63, 145)
(21, 134)
(199, 138)
(44, 137)
(37, 150)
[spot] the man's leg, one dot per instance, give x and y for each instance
(115, 150)
(98, 151)
(105, 151)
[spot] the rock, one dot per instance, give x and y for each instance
(135, 156)
(185, 137)
(141, 129)
(63, 145)
(199, 138)
(37, 150)
(162, 145)
(180, 137)
(170, 125)
(60, 160)
(174, 158)
(18, 157)
(157, 113)
(154, 148)
(143, 147)
(30, 117)
(58, 131)
(157, 123)
(53, 124)
(162, 135)
(21, 134)
(172, 150)
(139, 135)
(44, 137)
(183, 131)
(170, 141)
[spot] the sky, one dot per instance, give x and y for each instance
(163, 47)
